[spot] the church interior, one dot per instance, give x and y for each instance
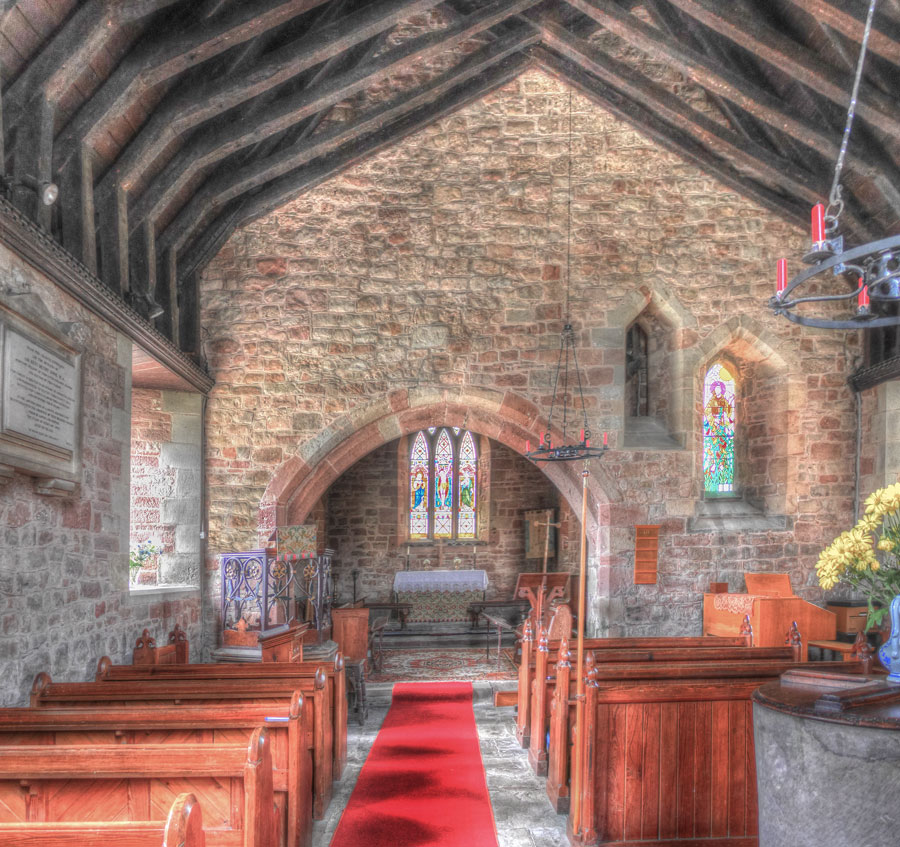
(367, 362)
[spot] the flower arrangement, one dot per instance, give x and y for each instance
(139, 556)
(852, 559)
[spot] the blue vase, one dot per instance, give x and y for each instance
(889, 652)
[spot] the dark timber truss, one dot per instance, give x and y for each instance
(169, 123)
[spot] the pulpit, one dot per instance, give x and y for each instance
(439, 596)
(772, 606)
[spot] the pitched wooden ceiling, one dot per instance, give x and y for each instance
(168, 123)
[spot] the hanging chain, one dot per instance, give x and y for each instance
(835, 201)
(569, 212)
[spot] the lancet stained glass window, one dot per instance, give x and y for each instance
(719, 398)
(468, 487)
(443, 484)
(418, 488)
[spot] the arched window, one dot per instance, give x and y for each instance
(719, 401)
(444, 461)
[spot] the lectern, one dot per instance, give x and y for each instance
(539, 589)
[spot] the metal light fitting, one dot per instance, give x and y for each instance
(874, 267)
(47, 192)
(566, 452)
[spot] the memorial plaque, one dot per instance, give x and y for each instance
(40, 402)
(39, 393)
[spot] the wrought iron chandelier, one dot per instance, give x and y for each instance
(875, 267)
(567, 451)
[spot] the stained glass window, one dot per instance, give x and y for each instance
(468, 488)
(443, 486)
(718, 430)
(418, 488)
(443, 460)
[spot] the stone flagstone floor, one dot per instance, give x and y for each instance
(522, 812)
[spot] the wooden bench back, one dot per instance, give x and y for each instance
(255, 673)
(609, 646)
(147, 653)
(318, 711)
(183, 827)
(291, 742)
(116, 781)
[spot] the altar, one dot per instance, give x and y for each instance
(439, 596)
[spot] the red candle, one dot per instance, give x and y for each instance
(605, 439)
(582, 435)
(781, 281)
(863, 297)
(542, 439)
(818, 223)
(527, 446)
(587, 442)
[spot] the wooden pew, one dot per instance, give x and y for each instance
(527, 665)
(694, 676)
(290, 741)
(336, 678)
(183, 827)
(147, 653)
(234, 783)
(669, 761)
(542, 694)
(145, 693)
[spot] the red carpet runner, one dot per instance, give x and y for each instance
(423, 783)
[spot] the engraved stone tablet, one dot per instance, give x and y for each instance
(38, 393)
(40, 401)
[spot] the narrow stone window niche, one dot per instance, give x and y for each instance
(651, 376)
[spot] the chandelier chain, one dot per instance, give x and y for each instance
(569, 211)
(835, 201)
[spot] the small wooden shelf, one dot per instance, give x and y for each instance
(646, 553)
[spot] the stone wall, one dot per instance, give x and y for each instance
(166, 472)
(64, 598)
(364, 533)
(435, 271)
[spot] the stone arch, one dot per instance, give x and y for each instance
(769, 391)
(503, 416)
(659, 311)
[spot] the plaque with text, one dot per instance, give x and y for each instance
(40, 400)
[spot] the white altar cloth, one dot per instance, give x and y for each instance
(440, 581)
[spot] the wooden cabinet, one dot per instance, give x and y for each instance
(350, 629)
(646, 553)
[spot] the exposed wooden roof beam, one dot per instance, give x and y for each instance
(669, 136)
(72, 47)
(794, 59)
(850, 19)
(159, 59)
(207, 98)
(709, 74)
(759, 162)
(229, 184)
(231, 135)
(296, 183)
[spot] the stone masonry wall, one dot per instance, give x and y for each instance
(64, 598)
(363, 531)
(165, 480)
(437, 269)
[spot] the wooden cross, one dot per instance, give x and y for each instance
(548, 523)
